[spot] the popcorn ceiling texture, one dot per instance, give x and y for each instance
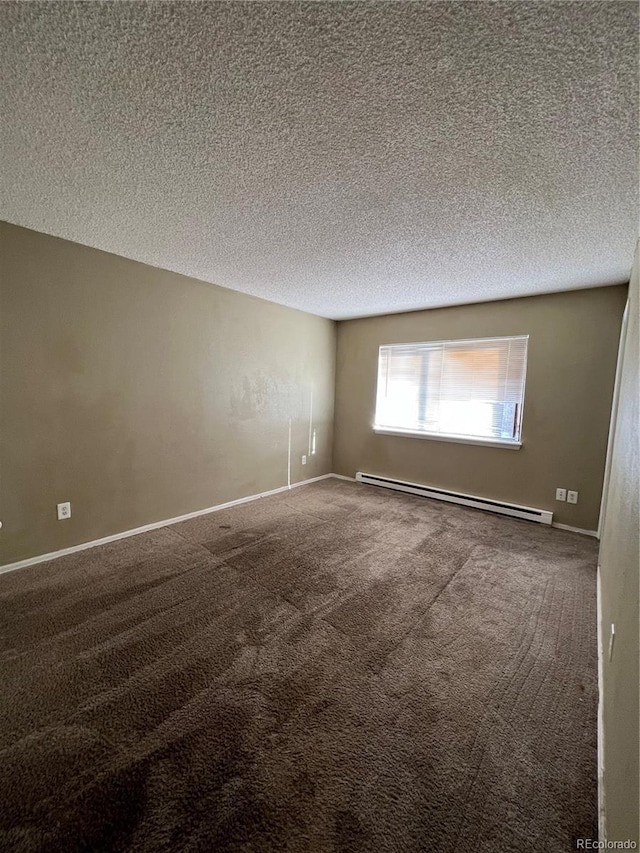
(342, 158)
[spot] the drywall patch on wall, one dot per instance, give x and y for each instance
(261, 395)
(138, 394)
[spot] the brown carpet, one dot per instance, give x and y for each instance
(336, 668)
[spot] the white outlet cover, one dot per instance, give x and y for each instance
(64, 511)
(304, 460)
(572, 497)
(561, 494)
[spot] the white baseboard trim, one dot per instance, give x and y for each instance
(83, 546)
(568, 527)
(602, 826)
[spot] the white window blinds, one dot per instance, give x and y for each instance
(454, 388)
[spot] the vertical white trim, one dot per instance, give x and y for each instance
(602, 825)
(310, 424)
(613, 419)
(289, 458)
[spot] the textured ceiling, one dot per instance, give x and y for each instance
(342, 158)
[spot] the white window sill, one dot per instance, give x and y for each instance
(457, 439)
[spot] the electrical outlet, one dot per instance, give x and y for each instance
(304, 460)
(64, 511)
(561, 494)
(572, 497)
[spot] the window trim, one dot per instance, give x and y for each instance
(457, 439)
(453, 341)
(504, 443)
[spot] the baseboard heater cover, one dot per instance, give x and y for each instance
(541, 516)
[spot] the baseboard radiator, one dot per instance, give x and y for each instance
(541, 516)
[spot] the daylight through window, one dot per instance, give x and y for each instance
(459, 389)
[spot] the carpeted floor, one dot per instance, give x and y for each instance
(336, 668)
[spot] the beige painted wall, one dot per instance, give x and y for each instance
(139, 395)
(571, 366)
(619, 582)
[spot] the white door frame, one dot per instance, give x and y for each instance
(612, 422)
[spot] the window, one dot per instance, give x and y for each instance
(456, 390)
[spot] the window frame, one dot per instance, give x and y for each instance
(504, 443)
